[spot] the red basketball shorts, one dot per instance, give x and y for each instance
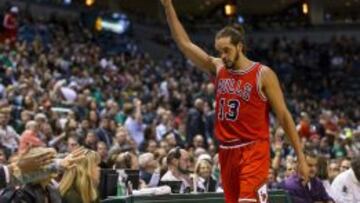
(244, 171)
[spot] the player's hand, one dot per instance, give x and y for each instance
(166, 2)
(304, 171)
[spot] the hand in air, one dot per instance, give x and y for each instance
(166, 2)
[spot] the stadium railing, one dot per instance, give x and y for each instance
(275, 196)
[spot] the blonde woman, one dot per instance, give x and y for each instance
(202, 178)
(80, 183)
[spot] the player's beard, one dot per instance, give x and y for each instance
(230, 64)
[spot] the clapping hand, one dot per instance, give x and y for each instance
(70, 160)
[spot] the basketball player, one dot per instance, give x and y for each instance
(245, 90)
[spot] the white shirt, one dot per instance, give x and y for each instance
(160, 131)
(327, 187)
(136, 129)
(9, 138)
(346, 188)
(169, 176)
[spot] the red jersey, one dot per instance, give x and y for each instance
(242, 111)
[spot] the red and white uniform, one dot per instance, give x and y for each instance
(242, 128)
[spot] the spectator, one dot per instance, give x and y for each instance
(198, 141)
(322, 173)
(79, 184)
(163, 126)
(303, 127)
(10, 24)
(345, 164)
(127, 160)
(333, 170)
(42, 190)
(196, 121)
(273, 183)
(102, 150)
(178, 163)
(346, 186)
(134, 123)
(8, 137)
(30, 137)
(204, 181)
(103, 133)
(121, 140)
(148, 170)
(312, 191)
(72, 143)
(91, 140)
(290, 169)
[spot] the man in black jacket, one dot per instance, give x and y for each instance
(196, 122)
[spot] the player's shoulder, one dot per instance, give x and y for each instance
(265, 69)
(267, 72)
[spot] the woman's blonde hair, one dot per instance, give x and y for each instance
(80, 177)
(202, 162)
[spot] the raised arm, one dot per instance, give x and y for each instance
(198, 56)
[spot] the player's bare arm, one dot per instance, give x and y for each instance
(197, 55)
(272, 90)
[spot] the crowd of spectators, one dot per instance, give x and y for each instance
(60, 88)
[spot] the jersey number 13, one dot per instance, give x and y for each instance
(232, 110)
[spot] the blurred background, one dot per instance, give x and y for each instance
(106, 75)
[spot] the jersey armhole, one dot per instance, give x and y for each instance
(259, 84)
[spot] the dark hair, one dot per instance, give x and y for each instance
(310, 153)
(174, 153)
(236, 34)
(124, 163)
(322, 168)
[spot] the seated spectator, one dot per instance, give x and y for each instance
(273, 182)
(178, 163)
(149, 171)
(312, 191)
(203, 180)
(346, 186)
(79, 184)
(345, 164)
(290, 169)
(333, 170)
(126, 160)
